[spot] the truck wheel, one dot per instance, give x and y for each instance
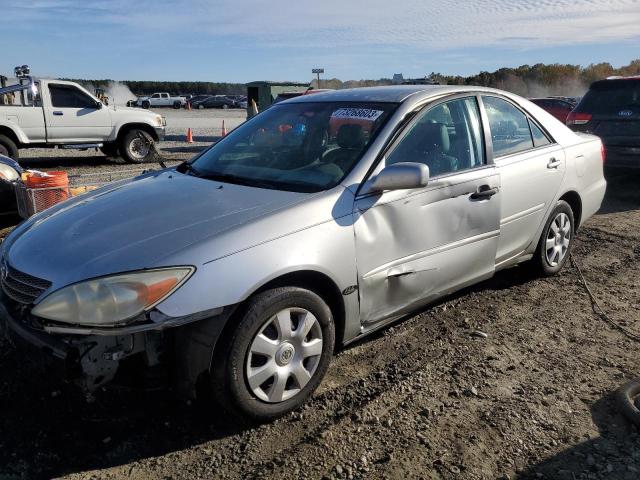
(110, 149)
(200, 107)
(276, 356)
(8, 148)
(225, 106)
(146, 105)
(134, 149)
(177, 105)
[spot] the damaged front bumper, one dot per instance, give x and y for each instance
(181, 348)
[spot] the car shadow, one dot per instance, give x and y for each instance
(196, 138)
(614, 454)
(49, 428)
(49, 162)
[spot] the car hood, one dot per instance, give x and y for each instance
(135, 224)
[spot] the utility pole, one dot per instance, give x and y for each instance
(318, 71)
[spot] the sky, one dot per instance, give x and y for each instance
(246, 40)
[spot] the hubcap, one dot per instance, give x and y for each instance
(284, 355)
(139, 148)
(558, 239)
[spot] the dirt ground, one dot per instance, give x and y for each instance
(422, 399)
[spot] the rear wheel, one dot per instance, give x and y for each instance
(556, 241)
(176, 105)
(8, 148)
(277, 355)
(135, 148)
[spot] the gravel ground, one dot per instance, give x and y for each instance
(422, 399)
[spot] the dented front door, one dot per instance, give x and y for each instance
(413, 246)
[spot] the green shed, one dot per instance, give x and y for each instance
(264, 92)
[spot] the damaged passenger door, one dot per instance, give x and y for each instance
(415, 245)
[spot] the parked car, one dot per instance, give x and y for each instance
(198, 98)
(557, 107)
(10, 172)
(162, 99)
(243, 269)
(611, 110)
(215, 101)
(57, 113)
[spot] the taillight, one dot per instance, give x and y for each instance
(603, 153)
(577, 118)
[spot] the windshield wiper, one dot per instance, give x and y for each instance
(230, 178)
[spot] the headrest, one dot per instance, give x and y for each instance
(350, 136)
(436, 134)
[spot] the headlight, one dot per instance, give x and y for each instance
(112, 300)
(7, 173)
(160, 121)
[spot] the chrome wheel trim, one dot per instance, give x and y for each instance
(558, 239)
(138, 148)
(284, 355)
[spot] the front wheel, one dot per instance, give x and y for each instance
(135, 148)
(177, 105)
(276, 356)
(556, 241)
(146, 105)
(8, 148)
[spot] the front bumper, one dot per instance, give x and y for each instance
(92, 357)
(161, 133)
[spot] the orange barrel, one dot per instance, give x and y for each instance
(47, 190)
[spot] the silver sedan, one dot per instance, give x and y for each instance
(318, 221)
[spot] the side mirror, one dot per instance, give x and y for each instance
(400, 176)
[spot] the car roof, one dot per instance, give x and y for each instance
(387, 94)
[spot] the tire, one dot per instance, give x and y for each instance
(146, 105)
(200, 107)
(110, 150)
(177, 105)
(8, 148)
(628, 397)
(559, 232)
(241, 393)
(131, 148)
(225, 106)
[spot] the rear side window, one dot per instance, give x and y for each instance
(611, 96)
(67, 96)
(510, 131)
(539, 138)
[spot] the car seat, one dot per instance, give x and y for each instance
(350, 140)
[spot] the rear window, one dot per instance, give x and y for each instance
(611, 96)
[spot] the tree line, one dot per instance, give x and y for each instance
(526, 80)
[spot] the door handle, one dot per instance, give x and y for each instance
(58, 113)
(484, 192)
(553, 163)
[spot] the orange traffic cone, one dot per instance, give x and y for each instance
(189, 136)
(224, 130)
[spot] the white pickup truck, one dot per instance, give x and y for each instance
(162, 99)
(56, 113)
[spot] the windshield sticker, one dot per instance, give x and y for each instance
(357, 113)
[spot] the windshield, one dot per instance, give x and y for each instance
(302, 147)
(611, 96)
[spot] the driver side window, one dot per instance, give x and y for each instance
(447, 138)
(67, 96)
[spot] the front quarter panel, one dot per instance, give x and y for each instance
(325, 246)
